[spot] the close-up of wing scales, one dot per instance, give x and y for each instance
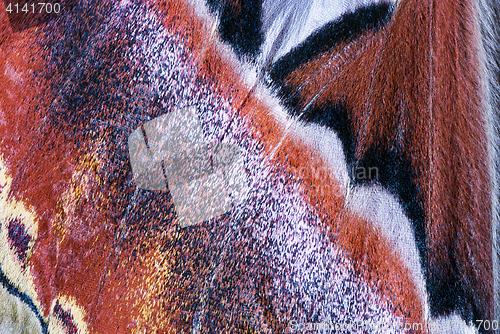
(249, 166)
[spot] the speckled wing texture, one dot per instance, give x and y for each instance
(249, 166)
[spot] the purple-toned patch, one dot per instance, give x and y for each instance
(19, 239)
(66, 318)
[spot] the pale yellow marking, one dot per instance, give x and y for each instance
(68, 304)
(11, 209)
